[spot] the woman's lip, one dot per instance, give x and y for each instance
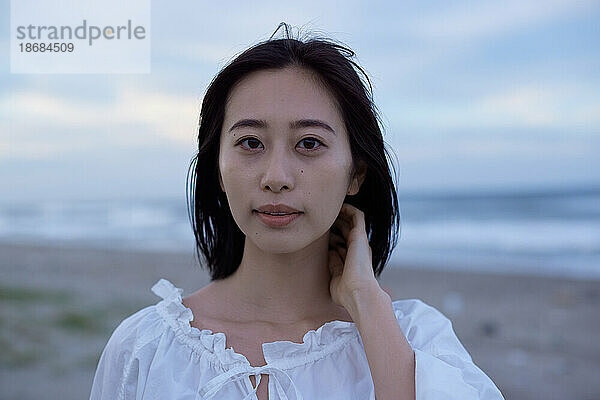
(277, 221)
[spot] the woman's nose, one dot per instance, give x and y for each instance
(279, 172)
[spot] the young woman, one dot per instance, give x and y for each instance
(295, 215)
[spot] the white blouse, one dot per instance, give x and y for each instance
(156, 354)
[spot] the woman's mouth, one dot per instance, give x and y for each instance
(277, 220)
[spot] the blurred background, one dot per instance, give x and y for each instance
(493, 111)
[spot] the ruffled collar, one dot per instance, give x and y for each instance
(316, 344)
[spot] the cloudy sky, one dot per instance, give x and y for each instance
(473, 95)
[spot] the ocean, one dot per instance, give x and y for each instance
(549, 233)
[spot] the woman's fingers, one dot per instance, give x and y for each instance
(343, 251)
(338, 244)
(336, 264)
(337, 239)
(350, 221)
(343, 226)
(354, 219)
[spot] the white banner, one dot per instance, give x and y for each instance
(80, 36)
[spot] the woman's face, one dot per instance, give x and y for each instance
(275, 156)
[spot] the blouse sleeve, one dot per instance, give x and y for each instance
(443, 367)
(119, 369)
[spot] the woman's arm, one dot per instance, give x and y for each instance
(416, 356)
(353, 285)
(391, 358)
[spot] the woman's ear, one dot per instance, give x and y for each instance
(358, 178)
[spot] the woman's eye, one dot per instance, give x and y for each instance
(309, 145)
(250, 140)
(314, 143)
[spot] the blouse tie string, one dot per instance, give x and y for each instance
(215, 384)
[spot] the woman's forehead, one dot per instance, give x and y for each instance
(281, 95)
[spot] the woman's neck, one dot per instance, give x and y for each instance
(281, 288)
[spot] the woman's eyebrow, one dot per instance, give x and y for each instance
(311, 123)
(299, 124)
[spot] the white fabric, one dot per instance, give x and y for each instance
(156, 354)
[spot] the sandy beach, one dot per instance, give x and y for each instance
(535, 337)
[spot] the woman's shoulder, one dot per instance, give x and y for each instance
(417, 310)
(427, 328)
(149, 322)
(132, 335)
(143, 326)
(135, 327)
(443, 366)
(128, 352)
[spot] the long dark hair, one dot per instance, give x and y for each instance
(218, 238)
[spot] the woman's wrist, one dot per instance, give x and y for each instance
(362, 301)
